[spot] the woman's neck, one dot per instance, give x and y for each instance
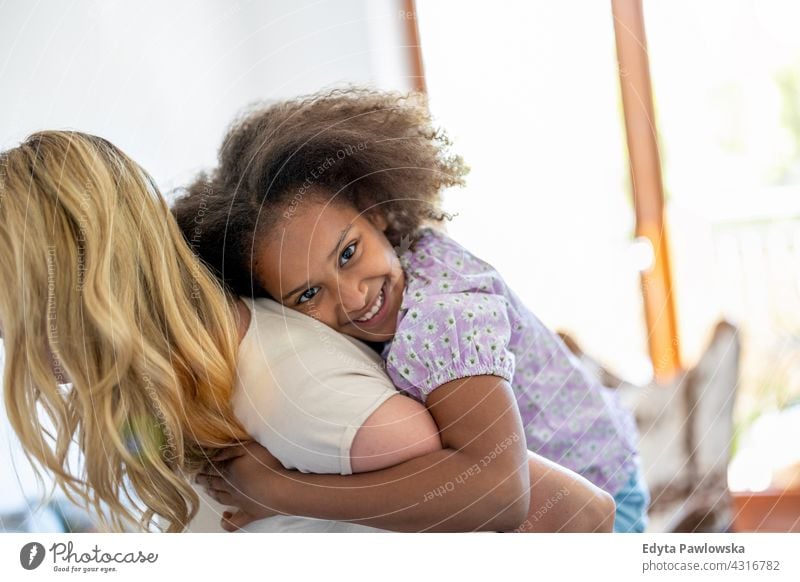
(242, 315)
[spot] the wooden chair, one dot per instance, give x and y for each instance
(686, 430)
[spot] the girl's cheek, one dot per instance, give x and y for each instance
(321, 311)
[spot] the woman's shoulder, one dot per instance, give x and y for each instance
(269, 308)
(277, 333)
(270, 318)
(303, 390)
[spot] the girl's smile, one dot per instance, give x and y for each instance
(335, 264)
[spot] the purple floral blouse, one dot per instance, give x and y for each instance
(458, 318)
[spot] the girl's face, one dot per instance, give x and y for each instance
(335, 264)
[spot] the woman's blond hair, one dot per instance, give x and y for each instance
(112, 329)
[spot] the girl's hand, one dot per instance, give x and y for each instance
(480, 481)
(240, 477)
(233, 521)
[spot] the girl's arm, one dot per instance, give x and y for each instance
(561, 501)
(480, 480)
(401, 429)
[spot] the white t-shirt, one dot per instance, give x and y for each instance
(303, 391)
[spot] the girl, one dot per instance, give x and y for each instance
(315, 198)
(118, 334)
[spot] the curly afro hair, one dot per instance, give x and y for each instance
(373, 150)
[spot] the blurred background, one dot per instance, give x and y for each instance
(697, 323)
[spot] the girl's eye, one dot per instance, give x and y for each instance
(347, 254)
(308, 295)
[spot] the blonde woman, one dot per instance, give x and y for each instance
(116, 333)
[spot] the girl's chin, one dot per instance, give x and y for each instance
(372, 335)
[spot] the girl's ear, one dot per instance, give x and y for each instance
(378, 218)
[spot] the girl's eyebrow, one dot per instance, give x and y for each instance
(339, 241)
(330, 256)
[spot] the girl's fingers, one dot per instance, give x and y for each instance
(210, 469)
(233, 522)
(221, 497)
(207, 482)
(229, 453)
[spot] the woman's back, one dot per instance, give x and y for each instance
(101, 292)
(302, 392)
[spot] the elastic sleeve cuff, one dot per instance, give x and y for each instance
(459, 370)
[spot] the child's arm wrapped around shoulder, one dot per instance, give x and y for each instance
(475, 474)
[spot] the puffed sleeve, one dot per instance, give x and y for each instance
(449, 336)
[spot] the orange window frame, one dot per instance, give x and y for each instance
(645, 171)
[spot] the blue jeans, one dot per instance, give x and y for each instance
(632, 502)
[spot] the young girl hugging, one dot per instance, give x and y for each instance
(328, 204)
(136, 354)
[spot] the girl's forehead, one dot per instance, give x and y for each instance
(311, 230)
(302, 243)
(313, 220)
(323, 206)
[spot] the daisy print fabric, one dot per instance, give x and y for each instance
(458, 319)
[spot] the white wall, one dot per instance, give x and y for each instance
(162, 80)
(530, 95)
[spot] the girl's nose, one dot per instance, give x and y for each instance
(353, 295)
